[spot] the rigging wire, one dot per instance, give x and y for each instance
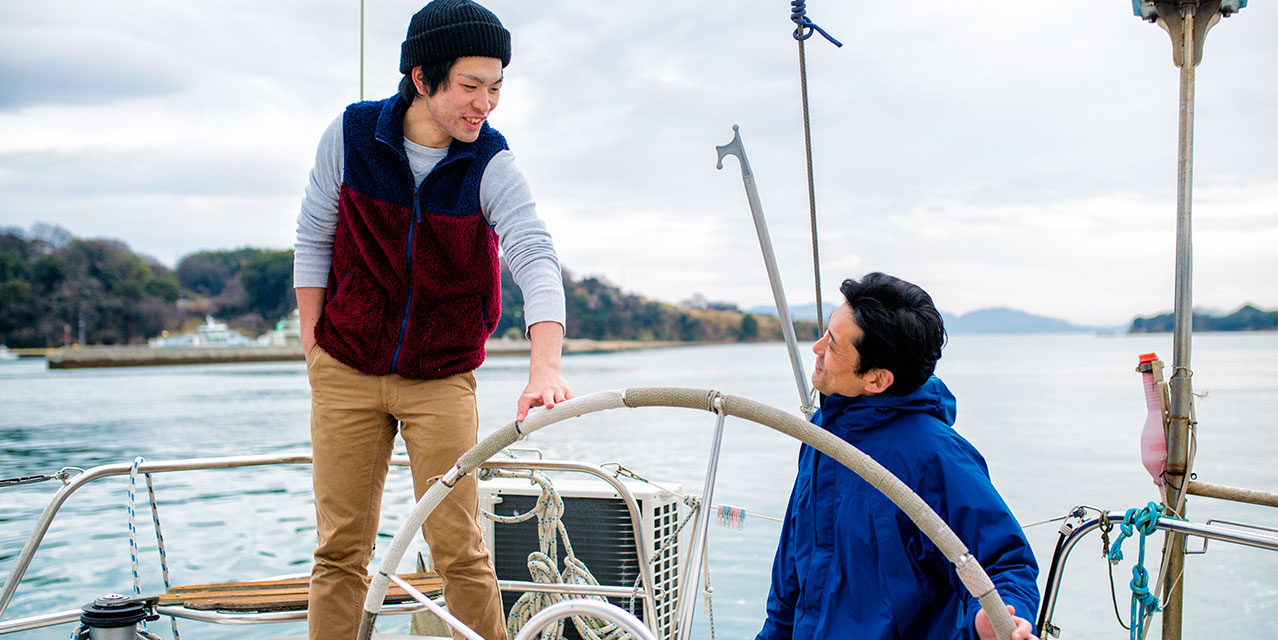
(803, 29)
(361, 50)
(1106, 526)
(691, 501)
(63, 474)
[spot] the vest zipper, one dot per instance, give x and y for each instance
(412, 228)
(403, 324)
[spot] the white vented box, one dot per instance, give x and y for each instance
(599, 529)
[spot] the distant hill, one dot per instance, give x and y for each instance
(601, 311)
(1004, 320)
(996, 320)
(1247, 318)
(803, 312)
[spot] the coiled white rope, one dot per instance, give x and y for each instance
(543, 565)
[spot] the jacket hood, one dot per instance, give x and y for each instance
(841, 414)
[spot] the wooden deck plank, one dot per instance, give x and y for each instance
(426, 586)
(276, 595)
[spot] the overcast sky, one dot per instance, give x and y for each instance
(997, 152)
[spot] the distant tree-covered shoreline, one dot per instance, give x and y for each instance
(1248, 318)
(54, 287)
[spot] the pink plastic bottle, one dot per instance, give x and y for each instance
(1153, 437)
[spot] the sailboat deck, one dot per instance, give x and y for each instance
(277, 595)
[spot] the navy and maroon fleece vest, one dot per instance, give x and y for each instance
(415, 286)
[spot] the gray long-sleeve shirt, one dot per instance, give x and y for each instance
(504, 198)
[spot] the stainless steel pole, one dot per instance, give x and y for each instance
(1181, 384)
(690, 580)
(361, 50)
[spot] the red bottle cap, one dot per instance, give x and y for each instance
(1146, 358)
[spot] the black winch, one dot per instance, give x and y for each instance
(115, 616)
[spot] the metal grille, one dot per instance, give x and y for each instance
(598, 525)
(666, 571)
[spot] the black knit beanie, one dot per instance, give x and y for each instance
(448, 29)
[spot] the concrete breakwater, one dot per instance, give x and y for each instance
(90, 357)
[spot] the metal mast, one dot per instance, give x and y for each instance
(1187, 22)
(361, 50)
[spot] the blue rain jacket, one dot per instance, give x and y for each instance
(850, 564)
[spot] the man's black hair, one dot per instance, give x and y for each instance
(434, 76)
(901, 329)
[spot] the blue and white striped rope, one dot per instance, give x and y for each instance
(159, 537)
(133, 530)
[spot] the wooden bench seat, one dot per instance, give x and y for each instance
(277, 595)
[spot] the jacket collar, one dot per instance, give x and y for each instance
(390, 131)
(841, 414)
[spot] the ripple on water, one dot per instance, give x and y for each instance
(259, 522)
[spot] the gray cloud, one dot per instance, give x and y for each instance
(64, 82)
(1013, 159)
(51, 65)
(143, 172)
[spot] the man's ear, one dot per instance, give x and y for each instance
(416, 74)
(878, 380)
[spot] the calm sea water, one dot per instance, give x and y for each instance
(1057, 417)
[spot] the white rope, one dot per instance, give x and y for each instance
(133, 530)
(543, 565)
(159, 537)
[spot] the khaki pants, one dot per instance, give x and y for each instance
(353, 425)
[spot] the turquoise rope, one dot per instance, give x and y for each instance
(1144, 603)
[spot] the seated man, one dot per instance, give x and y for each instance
(850, 564)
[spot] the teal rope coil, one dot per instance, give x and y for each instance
(1144, 604)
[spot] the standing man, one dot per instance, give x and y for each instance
(399, 285)
(850, 564)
